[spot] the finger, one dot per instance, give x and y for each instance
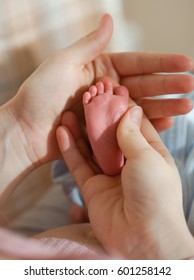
(160, 108)
(78, 165)
(162, 124)
(133, 142)
(153, 139)
(151, 85)
(128, 133)
(70, 120)
(136, 63)
(89, 47)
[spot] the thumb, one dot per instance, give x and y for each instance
(89, 47)
(129, 136)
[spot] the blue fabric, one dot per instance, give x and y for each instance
(180, 142)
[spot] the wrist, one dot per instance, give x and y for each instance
(180, 242)
(168, 238)
(15, 162)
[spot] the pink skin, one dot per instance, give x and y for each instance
(104, 106)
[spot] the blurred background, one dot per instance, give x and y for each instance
(31, 30)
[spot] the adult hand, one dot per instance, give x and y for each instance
(58, 84)
(139, 214)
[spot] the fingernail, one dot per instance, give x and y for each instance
(136, 115)
(103, 18)
(63, 138)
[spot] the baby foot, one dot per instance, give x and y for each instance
(104, 106)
